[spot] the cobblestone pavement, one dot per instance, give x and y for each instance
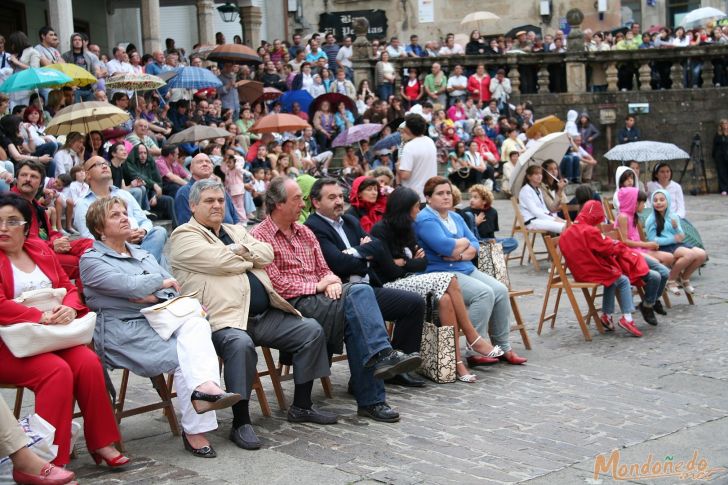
(665, 394)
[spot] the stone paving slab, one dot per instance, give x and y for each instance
(542, 423)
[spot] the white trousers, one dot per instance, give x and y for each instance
(197, 365)
(546, 225)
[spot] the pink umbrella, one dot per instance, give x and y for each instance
(356, 133)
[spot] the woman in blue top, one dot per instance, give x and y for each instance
(450, 246)
(663, 227)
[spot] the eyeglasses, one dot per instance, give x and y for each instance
(98, 165)
(12, 222)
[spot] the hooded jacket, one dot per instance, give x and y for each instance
(592, 257)
(628, 207)
(588, 131)
(667, 235)
(368, 213)
(620, 171)
(571, 127)
(305, 182)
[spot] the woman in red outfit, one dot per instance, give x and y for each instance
(368, 203)
(55, 377)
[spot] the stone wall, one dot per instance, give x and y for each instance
(675, 116)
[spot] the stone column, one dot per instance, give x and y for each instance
(205, 27)
(149, 14)
(361, 52)
(251, 17)
(60, 16)
(575, 68)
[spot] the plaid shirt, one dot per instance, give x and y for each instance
(298, 264)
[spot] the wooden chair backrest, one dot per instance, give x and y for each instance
(558, 265)
(518, 223)
(608, 208)
(566, 208)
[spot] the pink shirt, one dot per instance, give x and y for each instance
(176, 169)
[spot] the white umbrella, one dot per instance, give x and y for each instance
(700, 17)
(551, 147)
(646, 151)
(480, 20)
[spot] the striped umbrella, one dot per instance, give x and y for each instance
(235, 53)
(86, 117)
(34, 78)
(194, 78)
(134, 82)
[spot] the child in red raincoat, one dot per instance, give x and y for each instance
(595, 258)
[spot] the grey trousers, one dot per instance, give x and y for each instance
(12, 437)
(302, 337)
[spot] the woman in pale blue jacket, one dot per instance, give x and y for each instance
(450, 246)
(664, 228)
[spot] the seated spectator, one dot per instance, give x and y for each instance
(553, 186)
(98, 177)
(95, 146)
(70, 154)
(121, 280)
(594, 258)
(536, 215)
(348, 251)
(485, 218)
(172, 172)
(342, 85)
(68, 252)
(207, 253)
(325, 125)
(664, 227)
(343, 118)
(367, 203)
(200, 168)
(118, 155)
(27, 466)
(348, 313)
(56, 378)
(139, 166)
(450, 246)
(140, 135)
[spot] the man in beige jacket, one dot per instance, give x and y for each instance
(223, 265)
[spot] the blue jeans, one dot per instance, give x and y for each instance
(570, 168)
(488, 306)
(365, 335)
(84, 95)
(154, 242)
(625, 296)
(48, 148)
(385, 90)
(509, 244)
(140, 194)
(655, 280)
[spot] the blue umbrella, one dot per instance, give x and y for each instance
(34, 78)
(193, 78)
(298, 96)
(387, 142)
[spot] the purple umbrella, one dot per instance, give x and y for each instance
(356, 134)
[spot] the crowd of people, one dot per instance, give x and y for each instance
(312, 275)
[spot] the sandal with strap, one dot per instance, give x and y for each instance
(468, 378)
(495, 352)
(672, 287)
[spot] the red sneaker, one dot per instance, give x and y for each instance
(630, 327)
(607, 322)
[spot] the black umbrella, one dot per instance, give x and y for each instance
(619, 30)
(528, 28)
(334, 99)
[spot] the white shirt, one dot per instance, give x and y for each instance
(457, 81)
(344, 56)
(35, 280)
(447, 51)
(532, 205)
(398, 52)
(419, 157)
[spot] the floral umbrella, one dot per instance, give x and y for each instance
(135, 82)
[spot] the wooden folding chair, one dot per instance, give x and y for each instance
(519, 325)
(566, 209)
(560, 280)
(609, 209)
(19, 391)
(529, 238)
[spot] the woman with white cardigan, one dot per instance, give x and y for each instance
(536, 214)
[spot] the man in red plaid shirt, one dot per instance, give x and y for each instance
(348, 313)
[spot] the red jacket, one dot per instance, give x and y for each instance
(589, 254)
(483, 86)
(486, 145)
(367, 213)
(45, 258)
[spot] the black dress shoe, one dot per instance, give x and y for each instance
(406, 379)
(300, 415)
(245, 437)
(648, 314)
(379, 412)
(659, 308)
(395, 363)
(204, 452)
(209, 402)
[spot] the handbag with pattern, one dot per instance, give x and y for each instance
(438, 349)
(492, 262)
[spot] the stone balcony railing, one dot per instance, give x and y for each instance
(643, 69)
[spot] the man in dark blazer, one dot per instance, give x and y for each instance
(348, 250)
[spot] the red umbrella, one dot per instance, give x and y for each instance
(278, 123)
(236, 53)
(334, 99)
(271, 93)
